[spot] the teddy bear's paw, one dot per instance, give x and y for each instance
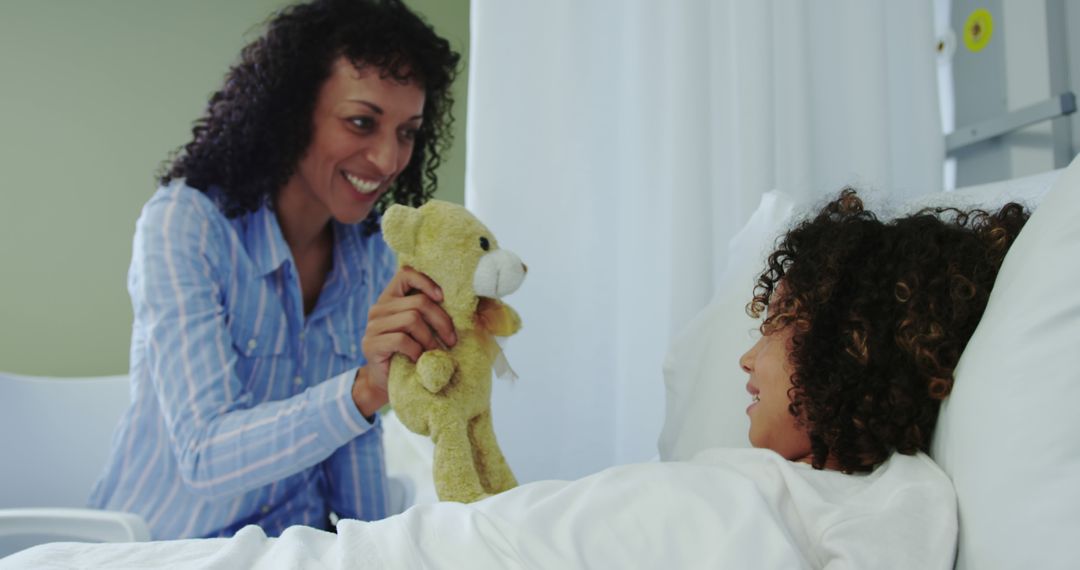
(435, 368)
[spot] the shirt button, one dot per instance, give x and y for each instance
(352, 349)
(252, 344)
(298, 381)
(265, 509)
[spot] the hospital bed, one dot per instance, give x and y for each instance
(1007, 436)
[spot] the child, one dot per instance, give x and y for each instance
(872, 318)
(864, 322)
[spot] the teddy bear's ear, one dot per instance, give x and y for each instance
(399, 227)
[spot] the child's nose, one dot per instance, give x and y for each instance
(746, 361)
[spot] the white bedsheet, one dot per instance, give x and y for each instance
(726, 509)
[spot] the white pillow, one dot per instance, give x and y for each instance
(1009, 435)
(706, 394)
(1028, 190)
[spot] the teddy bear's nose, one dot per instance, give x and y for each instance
(524, 268)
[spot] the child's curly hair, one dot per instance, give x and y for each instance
(880, 313)
(258, 125)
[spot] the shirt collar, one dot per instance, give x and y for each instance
(265, 242)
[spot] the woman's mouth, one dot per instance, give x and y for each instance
(363, 186)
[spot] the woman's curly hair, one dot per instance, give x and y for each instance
(880, 312)
(257, 127)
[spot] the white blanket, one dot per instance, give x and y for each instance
(725, 509)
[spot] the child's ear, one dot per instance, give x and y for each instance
(399, 227)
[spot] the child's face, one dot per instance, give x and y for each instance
(771, 424)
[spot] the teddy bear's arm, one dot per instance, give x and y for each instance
(435, 369)
(508, 322)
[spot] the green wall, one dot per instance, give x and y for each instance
(93, 96)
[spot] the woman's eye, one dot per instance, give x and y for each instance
(363, 123)
(484, 244)
(409, 134)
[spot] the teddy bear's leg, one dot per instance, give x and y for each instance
(495, 472)
(435, 368)
(455, 473)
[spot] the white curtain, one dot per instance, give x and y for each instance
(616, 145)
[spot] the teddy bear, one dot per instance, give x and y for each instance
(446, 393)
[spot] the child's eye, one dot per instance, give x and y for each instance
(484, 244)
(774, 324)
(767, 327)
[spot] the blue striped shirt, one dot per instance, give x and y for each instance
(241, 409)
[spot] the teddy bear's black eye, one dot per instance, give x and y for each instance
(484, 245)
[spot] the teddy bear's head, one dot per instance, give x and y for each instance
(447, 243)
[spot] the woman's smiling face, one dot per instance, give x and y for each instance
(363, 133)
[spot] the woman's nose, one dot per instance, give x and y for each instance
(384, 155)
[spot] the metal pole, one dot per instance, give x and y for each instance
(1057, 49)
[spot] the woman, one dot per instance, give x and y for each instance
(266, 304)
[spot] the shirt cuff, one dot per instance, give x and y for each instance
(341, 419)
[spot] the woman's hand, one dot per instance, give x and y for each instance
(405, 319)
